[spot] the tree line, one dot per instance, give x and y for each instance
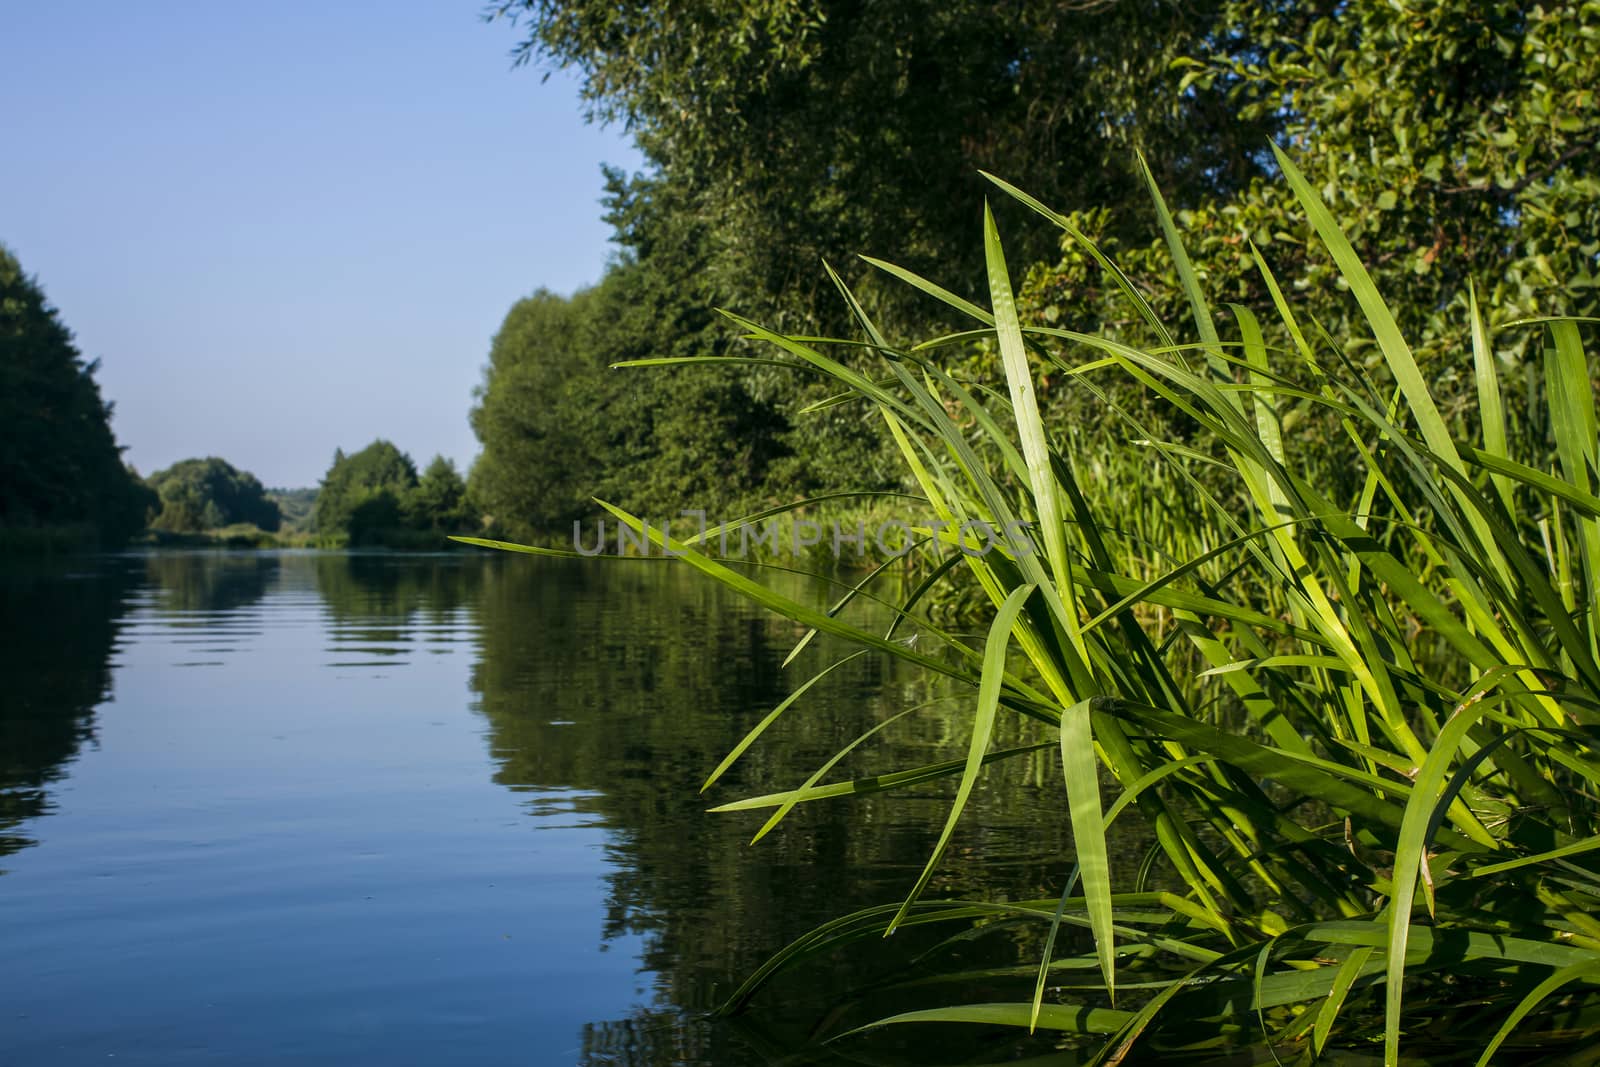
(373, 497)
(1457, 142)
(63, 481)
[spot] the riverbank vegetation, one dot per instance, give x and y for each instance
(1457, 140)
(373, 498)
(1308, 453)
(1332, 644)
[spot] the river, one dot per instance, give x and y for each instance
(308, 807)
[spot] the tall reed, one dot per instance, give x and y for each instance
(1358, 724)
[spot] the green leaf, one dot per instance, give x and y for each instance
(994, 665)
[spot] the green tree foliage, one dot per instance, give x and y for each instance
(531, 472)
(810, 130)
(1457, 141)
(560, 426)
(780, 134)
(440, 499)
(60, 464)
(375, 497)
(206, 494)
(371, 482)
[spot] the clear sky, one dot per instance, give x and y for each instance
(290, 227)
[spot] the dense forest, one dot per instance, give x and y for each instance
(1455, 140)
(62, 477)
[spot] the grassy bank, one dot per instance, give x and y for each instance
(1349, 684)
(247, 536)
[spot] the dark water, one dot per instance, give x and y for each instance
(269, 808)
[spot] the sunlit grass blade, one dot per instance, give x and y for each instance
(1491, 408)
(1030, 429)
(1081, 768)
(1062, 1018)
(878, 783)
(994, 662)
(771, 717)
(1189, 282)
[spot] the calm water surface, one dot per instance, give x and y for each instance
(323, 808)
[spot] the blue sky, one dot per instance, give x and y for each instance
(286, 228)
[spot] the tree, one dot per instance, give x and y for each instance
(361, 493)
(559, 425)
(439, 501)
(780, 134)
(537, 463)
(375, 497)
(60, 464)
(205, 494)
(1457, 142)
(1458, 139)
(823, 130)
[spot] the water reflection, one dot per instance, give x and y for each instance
(323, 727)
(60, 624)
(385, 609)
(632, 682)
(203, 584)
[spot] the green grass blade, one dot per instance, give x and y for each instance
(1082, 772)
(1491, 408)
(1030, 430)
(943, 295)
(1384, 327)
(877, 783)
(1190, 283)
(994, 665)
(1535, 997)
(771, 717)
(1123, 282)
(1049, 948)
(1409, 857)
(828, 765)
(1351, 969)
(1062, 1018)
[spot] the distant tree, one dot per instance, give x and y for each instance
(205, 494)
(372, 482)
(439, 502)
(60, 463)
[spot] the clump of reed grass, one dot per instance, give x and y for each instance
(1360, 728)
